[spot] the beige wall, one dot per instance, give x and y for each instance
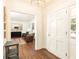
(41, 28)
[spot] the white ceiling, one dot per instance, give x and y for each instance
(19, 16)
(47, 2)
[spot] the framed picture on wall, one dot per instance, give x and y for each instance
(32, 26)
(16, 27)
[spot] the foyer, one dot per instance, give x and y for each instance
(51, 23)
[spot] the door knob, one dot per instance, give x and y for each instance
(49, 34)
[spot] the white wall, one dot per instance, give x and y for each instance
(25, 27)
(58, 4)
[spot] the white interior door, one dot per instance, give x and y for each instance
(61, 34)
(51, 34)
(57, 34)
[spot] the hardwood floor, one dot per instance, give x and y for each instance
(27, 51)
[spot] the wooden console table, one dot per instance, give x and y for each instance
(12, 50)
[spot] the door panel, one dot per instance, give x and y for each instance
(51, 36)
(61, 29)
(61, 49)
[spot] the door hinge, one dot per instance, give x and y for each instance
(66, 11)
(66, 54)
(66, 33)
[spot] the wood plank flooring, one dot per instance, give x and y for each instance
(27, 51)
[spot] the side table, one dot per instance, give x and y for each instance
(12, 50)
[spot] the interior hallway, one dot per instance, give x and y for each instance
(52, 26)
